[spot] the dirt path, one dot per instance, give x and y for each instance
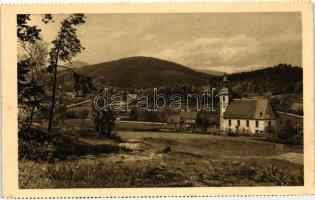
(291, 157)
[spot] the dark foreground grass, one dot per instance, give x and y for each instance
(100, 172)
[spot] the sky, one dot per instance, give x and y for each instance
(226, 42)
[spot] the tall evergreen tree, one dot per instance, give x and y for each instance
(64, 48)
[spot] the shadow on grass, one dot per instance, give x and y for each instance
(41, 146)
(79, 148)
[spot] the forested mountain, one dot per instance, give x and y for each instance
(142, 72)
(147, 72)
(280, 79)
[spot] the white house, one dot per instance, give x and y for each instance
(246, 116)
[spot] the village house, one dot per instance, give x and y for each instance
(174, 122)
(188, 118)
(246, 116)
(184, 120)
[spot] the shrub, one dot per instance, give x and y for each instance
(77, 114)
(104, 120)
(71, 114)
(289, 133)
(38, 145)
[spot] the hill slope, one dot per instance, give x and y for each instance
(142, 72)
(280, 79)
(211, 72)
(76, 64)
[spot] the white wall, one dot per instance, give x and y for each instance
(250, 129)
(224, 104)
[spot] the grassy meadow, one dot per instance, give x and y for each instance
(155, 159)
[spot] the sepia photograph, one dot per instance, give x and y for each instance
(127, 100)
(160, 100)
(157, 100)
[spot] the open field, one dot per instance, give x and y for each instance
(171, 160)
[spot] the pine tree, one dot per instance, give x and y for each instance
(64, 48)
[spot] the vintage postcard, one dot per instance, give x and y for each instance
(138, 100)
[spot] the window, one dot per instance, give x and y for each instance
(257, 123)
(230, 122)
(238, 122)
(247, 123)
(223, 98)
(269, 123)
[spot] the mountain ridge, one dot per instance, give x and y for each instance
(76, 64)
(143, 72)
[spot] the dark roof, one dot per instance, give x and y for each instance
(206, 115)
(249, 109)
(211, 117)
(188, 114)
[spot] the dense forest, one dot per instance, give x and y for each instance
(280, 79)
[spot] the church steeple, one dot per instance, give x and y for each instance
(225, 80)
(224, 98)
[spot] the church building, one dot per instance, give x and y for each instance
(248, 116)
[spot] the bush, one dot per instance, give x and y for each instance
(289, 133)
(77, 114)
(38, 145)
(104, 120)
(71, 114)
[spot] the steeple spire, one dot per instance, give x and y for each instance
(225, 80)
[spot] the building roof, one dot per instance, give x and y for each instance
(224, 91)
(188, 114)
(211, 117)
(249, 109)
